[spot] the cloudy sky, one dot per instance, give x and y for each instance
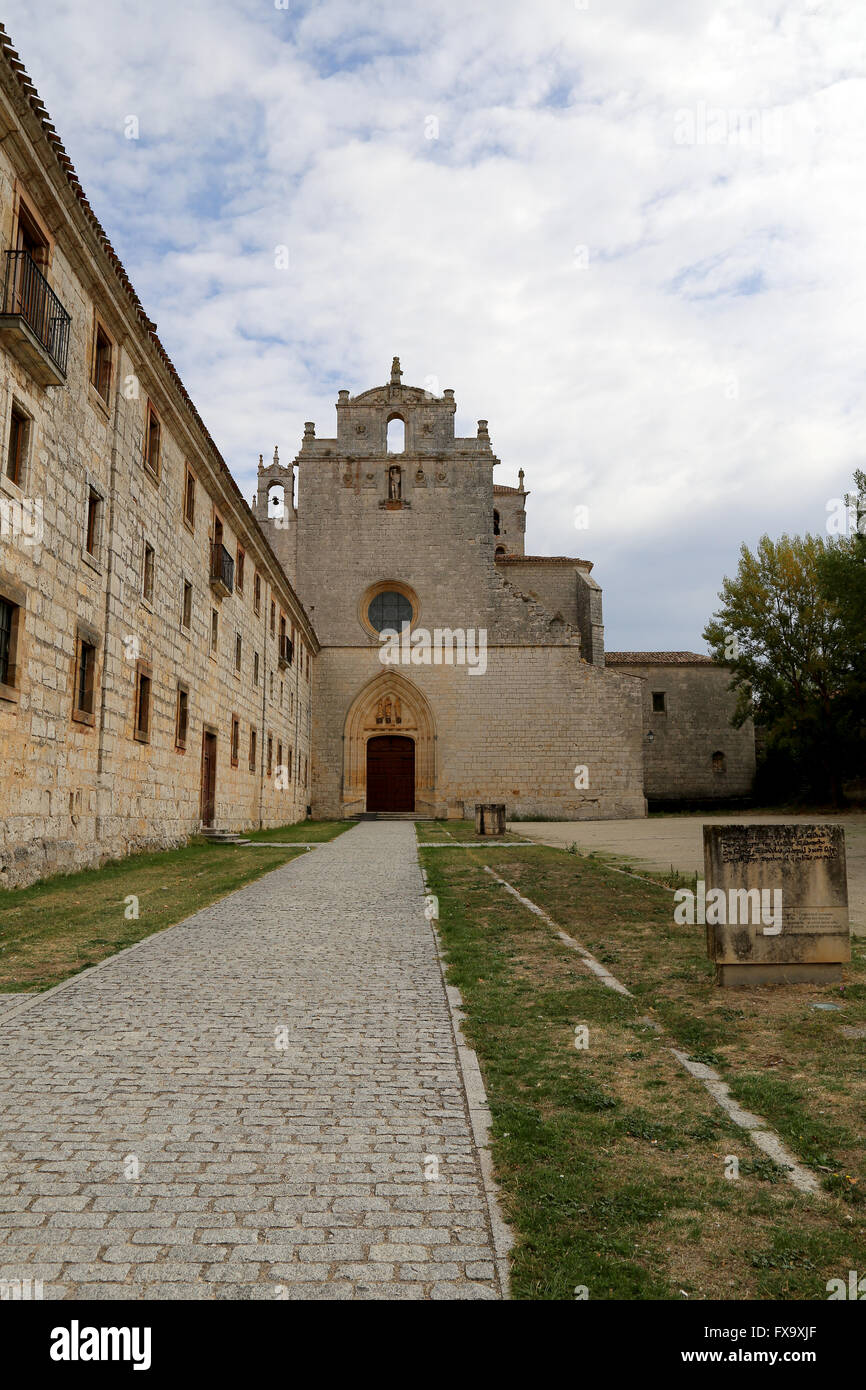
(631, 236)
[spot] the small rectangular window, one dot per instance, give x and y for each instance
(279, 757)
(85, 669)
(257, 594)
(658, 702)
(214, 630)
(290, 764)
(238, 652)
(239, 571)
(255, 668)
(143, 693)
(16, 454)
(10, 614)
(181, 719)
(186, 609)
(94, 507)
(152, 435)
(273, 617)
(270, 753)
(253, 740)
(147, 573)
(236, 736)
(100, 371)
(189, 499)
(30, 236)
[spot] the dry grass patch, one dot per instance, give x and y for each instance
(612, 1159)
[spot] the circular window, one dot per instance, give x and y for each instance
(389, 609)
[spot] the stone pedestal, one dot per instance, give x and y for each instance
(776, 905)
(489, 818)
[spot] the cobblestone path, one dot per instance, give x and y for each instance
(253, 1104)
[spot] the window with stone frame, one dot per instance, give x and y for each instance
(659, 702)
(181, 717)
(253, 742)
(236, 738)
(239, 570)
(11, 616)
(17, 444)
(93, 525)
(143, 701)
(147, 573)
(270, 754)
(257, 593)
(152, 442)
(186, 606)
(101, 360)
(84, 681)
(189, 499)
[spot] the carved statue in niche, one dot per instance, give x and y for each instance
(395, 483)
(388, 710)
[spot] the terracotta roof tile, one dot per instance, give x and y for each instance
(657, 659)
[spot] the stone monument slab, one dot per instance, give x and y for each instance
(782, 914)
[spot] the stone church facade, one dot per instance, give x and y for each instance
(171, 658)
(413, 536)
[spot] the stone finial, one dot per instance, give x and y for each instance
(482, 430)
(396, 371)
(343, 397)
(448, 393)
(261, 463)
(309, 429)
(276, 457)
(520, 487)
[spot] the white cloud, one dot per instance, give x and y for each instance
(693, 375)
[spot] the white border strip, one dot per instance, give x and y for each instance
(479, 1116)
(757, 1129)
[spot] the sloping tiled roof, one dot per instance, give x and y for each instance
(544, 560)
(657, 659)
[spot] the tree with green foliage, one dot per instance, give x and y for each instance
(790, 630)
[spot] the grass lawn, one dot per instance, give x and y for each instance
(63, 924)
(611, 1159)
(446, 831)
(305, 831)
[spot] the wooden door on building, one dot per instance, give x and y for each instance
(208, 778)
(391, 773)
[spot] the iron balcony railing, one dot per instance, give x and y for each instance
(222, 568)
(28, 293)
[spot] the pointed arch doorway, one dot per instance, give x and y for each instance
(389, 749)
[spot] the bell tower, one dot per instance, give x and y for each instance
(275, 510)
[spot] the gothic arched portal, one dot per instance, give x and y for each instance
(389, 705)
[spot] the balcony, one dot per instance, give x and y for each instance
(34, 325)
(286, 652)
(222, 570)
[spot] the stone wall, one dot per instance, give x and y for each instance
(681, 761)
(75, 791)
(515, 734)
